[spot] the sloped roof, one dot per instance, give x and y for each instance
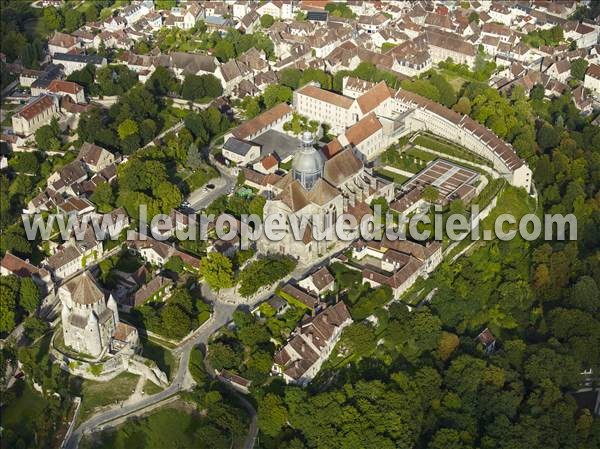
(84, 290)
(341, 166)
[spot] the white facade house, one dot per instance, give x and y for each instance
(240, 152)
(299, 361)
(592, 79)
(72, 63)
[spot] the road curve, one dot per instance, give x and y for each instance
(222, 314)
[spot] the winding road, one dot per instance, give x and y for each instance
(222, 314)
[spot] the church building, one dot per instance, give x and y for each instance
(320, 190)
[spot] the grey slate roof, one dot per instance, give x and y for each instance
(237, 146)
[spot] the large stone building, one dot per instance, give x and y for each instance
(35, 114)
(91, 321)
(369, 122)
(320, 191)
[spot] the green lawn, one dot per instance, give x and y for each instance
(450, 149)
(162, 356)
(395, 177)
(100, 394)
(174, 426)
(151, 388)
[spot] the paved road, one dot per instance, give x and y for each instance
(222, 314)
(201, 198)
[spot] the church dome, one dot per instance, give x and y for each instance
(308, 163)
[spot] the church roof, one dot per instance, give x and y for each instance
(322, 192)
(341, 166)
(294, 196)
(84, 290)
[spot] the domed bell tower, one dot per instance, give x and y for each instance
(308, 163)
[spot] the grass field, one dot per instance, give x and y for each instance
(170, 427)
(100, 394)
(397, 178)
(162, 356)
(151, 388)
(450, 149)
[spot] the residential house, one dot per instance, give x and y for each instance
(592, 79)
(95, 158)
(240, 152)
(14, 265)
(313, 340)
(273, 118)
(62, 43)
(72, 62)
(320, 282)
(67, 88)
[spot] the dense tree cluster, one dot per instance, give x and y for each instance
(248, 348)
(537, 38)
(420, 378)
(263, 273)
(182, 313)
(18, 298)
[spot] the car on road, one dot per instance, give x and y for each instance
(210, 186)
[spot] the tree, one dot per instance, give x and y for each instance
(449, 439)
(448, 343)
(7, 310)
(221, 355)
(272, 415)
(290, 77)
(84, 77)
(47, 137)
(463, 106)
(73, 19)
(211, 86)
(162, 81)
(537, 92)
(360, 339)
(175, 322)
(275, 94)
(103, 197)
(174, 264)
(224, 50)
(192, 87)
(25, 163)
(431, 194)
(167, 195)
(585, 295)
(53, 19)
(115, 79)
(217, 270)
(34, 327)
(547, 137)
(578, 68)
(473, 17)
(127, 128)
(251, 107)
(29, 295)
(165, 4)
(266, 20)
(257, 204)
